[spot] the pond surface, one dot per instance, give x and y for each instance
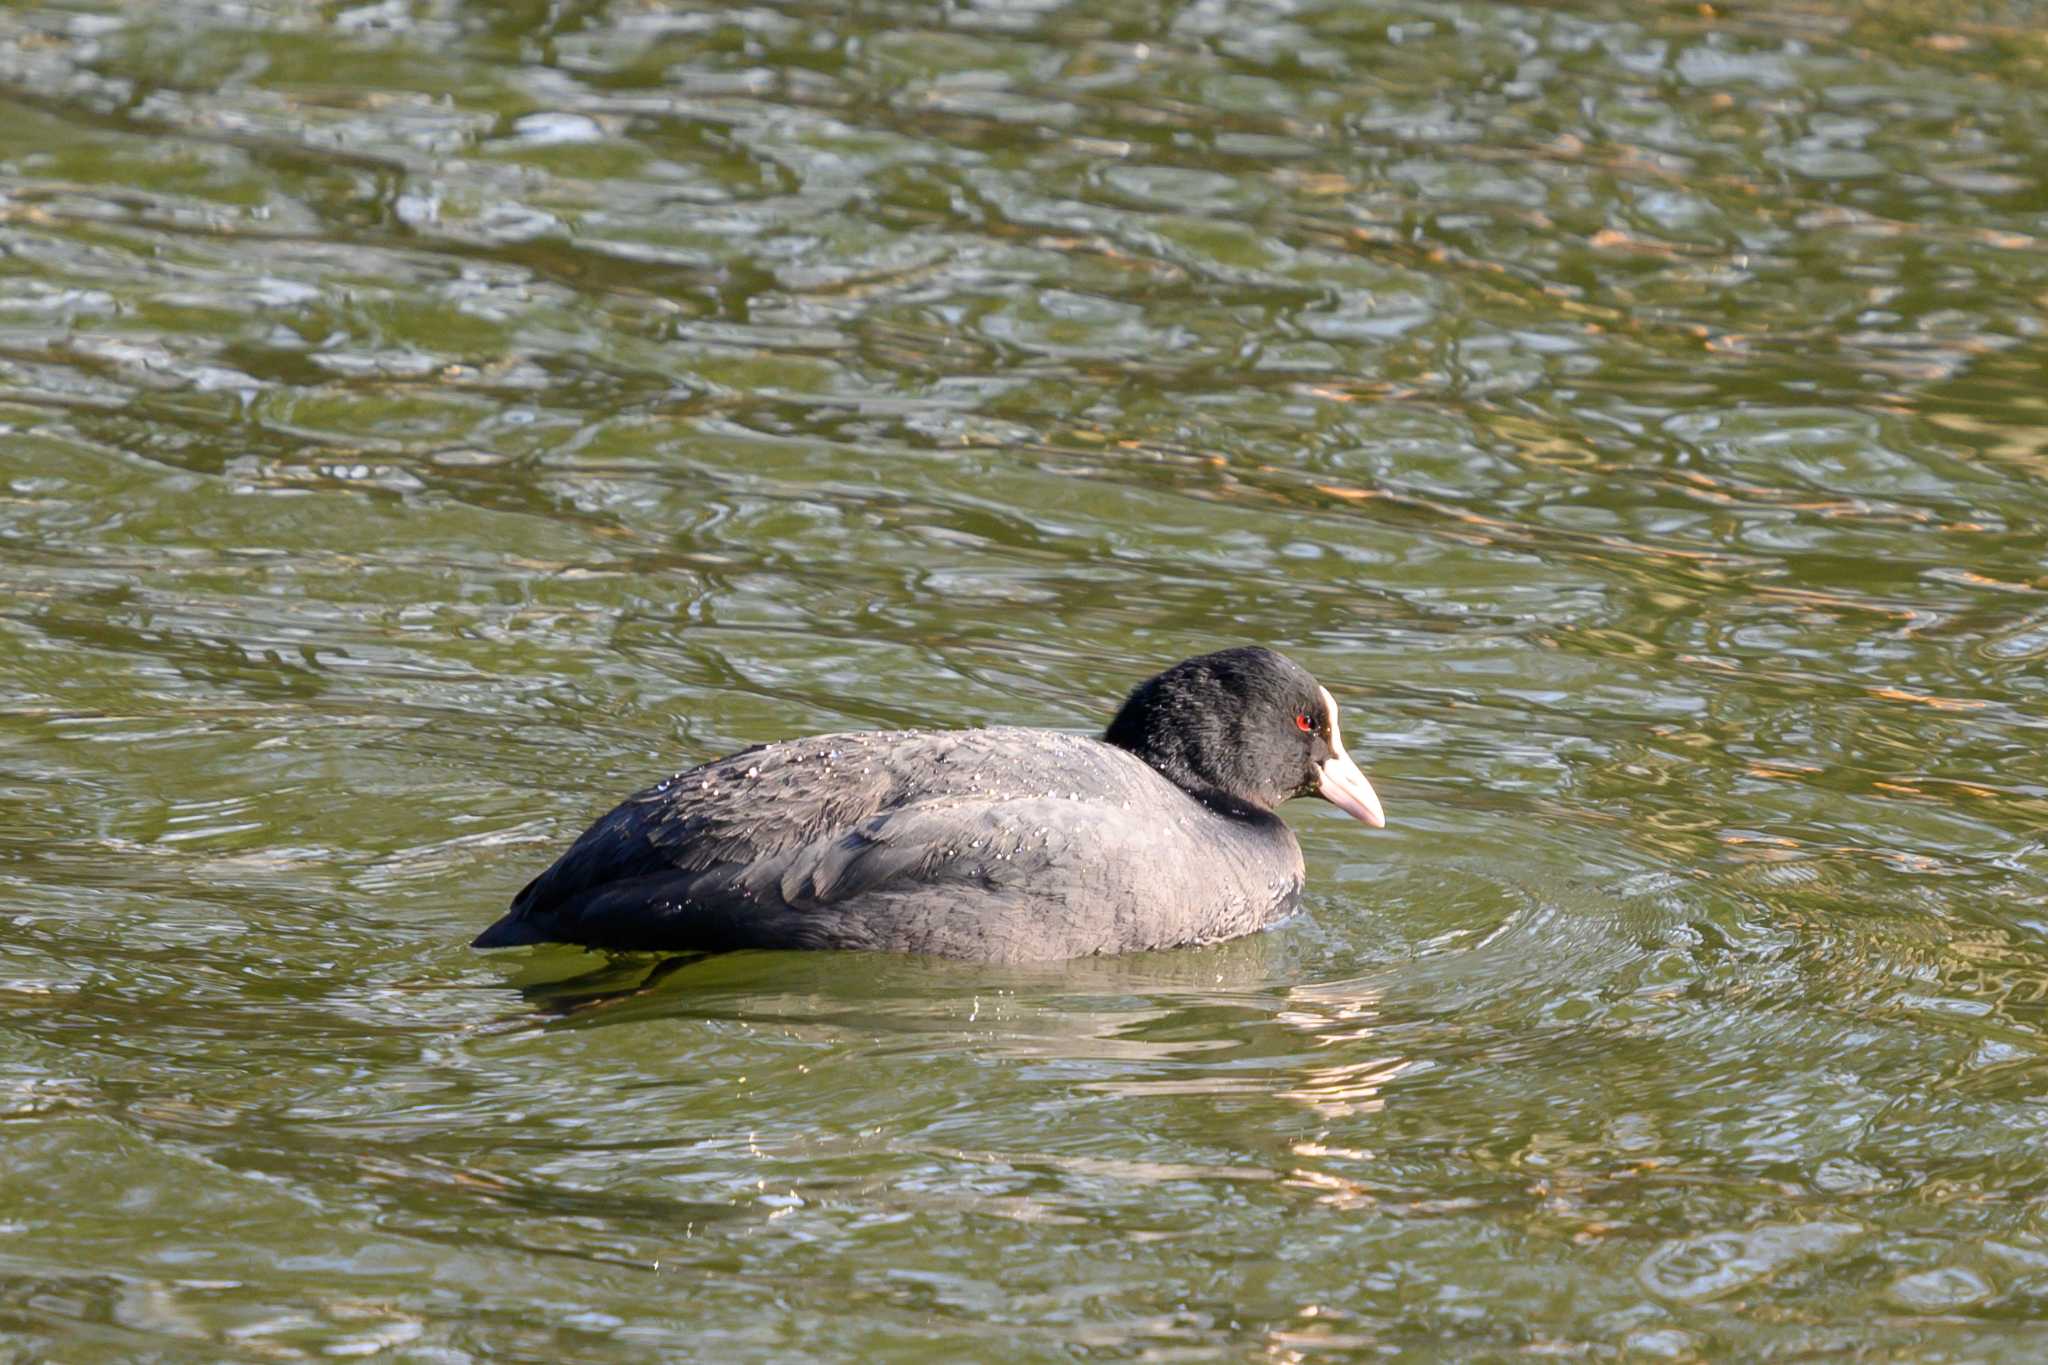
(422, 423)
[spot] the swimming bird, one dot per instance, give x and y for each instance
(1001, 845)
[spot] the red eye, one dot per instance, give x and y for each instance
(1303, 724)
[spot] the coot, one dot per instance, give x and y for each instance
(1002, 844)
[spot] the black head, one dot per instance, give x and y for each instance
(1244, 727)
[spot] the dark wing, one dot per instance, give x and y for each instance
(780, 845)
(1002, 880)
(731, 811)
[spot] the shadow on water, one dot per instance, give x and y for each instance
(869, 992)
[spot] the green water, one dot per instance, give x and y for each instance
(423, 422)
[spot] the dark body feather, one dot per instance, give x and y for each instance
(1003, 844)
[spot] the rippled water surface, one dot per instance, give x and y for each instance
(423, 422)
